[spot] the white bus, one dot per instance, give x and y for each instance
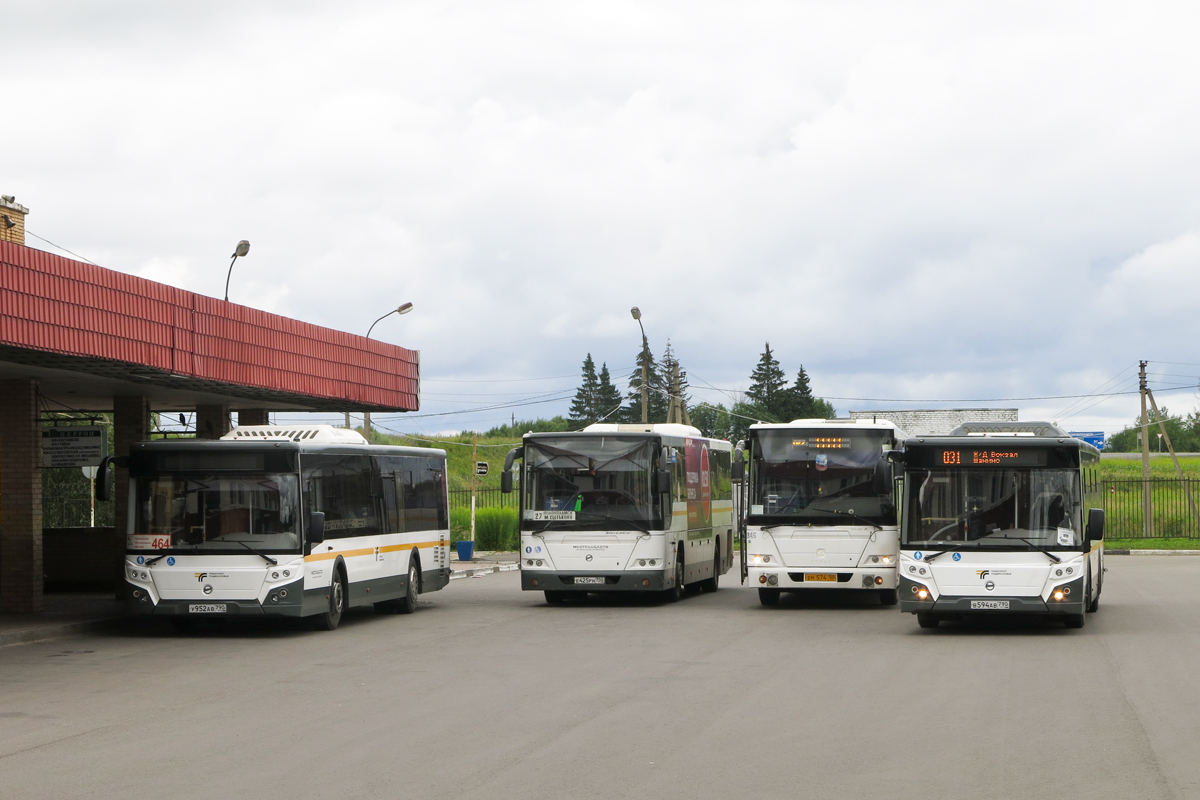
(292, 521)
(993, 523)
(820, 507)
(623, 508)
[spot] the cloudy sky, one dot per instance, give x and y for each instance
(931, 204)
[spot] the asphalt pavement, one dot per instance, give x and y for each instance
(487, 692)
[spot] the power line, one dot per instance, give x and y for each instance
(60, 247)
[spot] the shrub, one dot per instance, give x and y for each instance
(460, 524)
(495, 528)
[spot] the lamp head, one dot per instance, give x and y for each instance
(404, 309)
(243, 247)
(637, 314)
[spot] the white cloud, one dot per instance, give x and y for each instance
(945, 200)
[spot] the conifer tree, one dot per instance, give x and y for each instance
(608, 397)
(768, 387)
(657, 398)
(583, 408)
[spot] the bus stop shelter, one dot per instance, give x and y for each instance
(74, 336)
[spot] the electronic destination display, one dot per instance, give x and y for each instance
(991, 457)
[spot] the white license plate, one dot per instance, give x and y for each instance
(995, 605)
(206, 608)
(598, 579)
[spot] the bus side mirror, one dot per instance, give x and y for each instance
(895, 456)
(882, 478)
(506, 476)
(104, 476)
(316, 527)
(662, 481)
(1095, 525)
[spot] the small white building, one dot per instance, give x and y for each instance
(937, 421)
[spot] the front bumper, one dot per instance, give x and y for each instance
(793, 578)
(959, 605)
(289, 603)
(541, 580)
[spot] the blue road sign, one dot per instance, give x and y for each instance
(1094, 438)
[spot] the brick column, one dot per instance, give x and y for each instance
(21, 574)
(131, 423)
(212, 422)
(254, 416)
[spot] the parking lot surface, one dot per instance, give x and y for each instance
(487, 692)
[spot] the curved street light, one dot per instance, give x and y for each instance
(243, 247)
(403, 309)
(637, 314)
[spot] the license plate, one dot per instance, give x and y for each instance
(827, 577)
(598, 579)
(994, 605)
(206, 608)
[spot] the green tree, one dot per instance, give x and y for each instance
(583, 408)
(669, 364)
(768, 390)
(802, 404)
(608, 397)
(713, 421)
(1184, 433)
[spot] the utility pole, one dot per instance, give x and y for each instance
(367, 426)
(1162, 427)
(637, 314)
(474, 478)
(1144, 435)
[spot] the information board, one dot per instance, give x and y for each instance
(73, 446)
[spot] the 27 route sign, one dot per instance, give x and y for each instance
(481, 467)
(73, 446)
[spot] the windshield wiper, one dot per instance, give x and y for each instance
(150, 561)
(1029, 542)
(594, 515)
(875, 525)
(268, 559)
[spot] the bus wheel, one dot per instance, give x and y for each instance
(927, 620)
(329, 620)
(673, 594)
(408, 603)
(555, 598)
(711, 584)
(1094, 603)
(768, 597)
(888, 597)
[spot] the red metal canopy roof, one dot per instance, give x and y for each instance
(88, 333)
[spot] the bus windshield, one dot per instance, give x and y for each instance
(994, 507)
(211, 512)
(822, 476)
(590, 483)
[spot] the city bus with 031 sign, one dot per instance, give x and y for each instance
(1000, 518)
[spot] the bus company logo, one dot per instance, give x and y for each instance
(982, 573)
(200, 576)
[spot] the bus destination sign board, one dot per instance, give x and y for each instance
(992, 457)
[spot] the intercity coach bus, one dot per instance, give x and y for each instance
(303, 521)
(623, 508)
(994, 523)
(821, 510)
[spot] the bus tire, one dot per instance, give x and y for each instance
(673, 594)
(768, 597)
(1094, 603)
(329, 620)
(713, 583)
(555, 598)
(408, 603)
(927, 620)
(888, 597)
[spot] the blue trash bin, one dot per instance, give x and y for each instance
(466, 550)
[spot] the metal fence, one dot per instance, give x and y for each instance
(75, 512)
(1172, 514)
(484, 498)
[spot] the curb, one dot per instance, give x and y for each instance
(481, 571)
(1119, 552)
(57, 631)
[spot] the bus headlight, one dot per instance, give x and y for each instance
(758, 558)
(887, 559)
(921, 592)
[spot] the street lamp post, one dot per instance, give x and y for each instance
(403, 309)
(243, 247)
(637, 314)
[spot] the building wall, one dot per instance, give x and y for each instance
(937, 421)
